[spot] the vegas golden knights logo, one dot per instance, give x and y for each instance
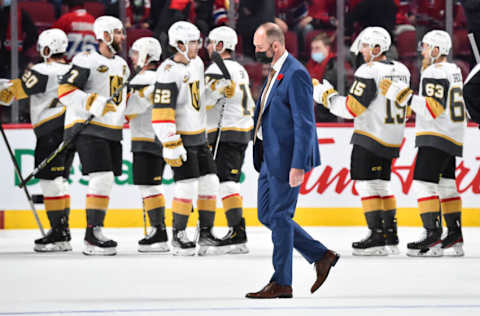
(115, 84)
(195, 94)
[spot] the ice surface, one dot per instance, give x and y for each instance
(148, 284)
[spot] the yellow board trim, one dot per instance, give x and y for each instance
(331, 216)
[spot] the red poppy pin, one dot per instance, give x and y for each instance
(280, 77)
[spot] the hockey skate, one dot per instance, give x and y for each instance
(391, 240)
(181, 245)
(452, 243)
(57, 239)
(208, 243)
(236, 239)
(96, 244)
(430, 244)
(372, 245)
(155, 241)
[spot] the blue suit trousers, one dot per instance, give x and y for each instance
(276, 207)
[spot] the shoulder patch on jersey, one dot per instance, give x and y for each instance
(102, 68)
(168, 67)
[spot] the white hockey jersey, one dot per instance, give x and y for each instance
(440, 119)
(40, 84)
(177, 98)
(237, 121)
(379, 124)
(139, 113)
(92, 72)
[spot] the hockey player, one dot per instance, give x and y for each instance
(148, 162)
(87, 87)
(179, 120)
(236, 126)
(378, 132)
(47, 115)
(440, 124)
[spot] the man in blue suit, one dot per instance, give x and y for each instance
(285, 147)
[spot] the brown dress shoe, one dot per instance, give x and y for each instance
(322, 267)
(272, 290)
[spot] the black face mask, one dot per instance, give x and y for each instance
(263, 58)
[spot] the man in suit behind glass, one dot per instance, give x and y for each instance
(285, 147)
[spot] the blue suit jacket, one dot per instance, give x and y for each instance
(288, 123)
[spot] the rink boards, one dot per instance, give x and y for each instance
(327, 196)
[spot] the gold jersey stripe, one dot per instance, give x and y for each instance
(191, 132)
(233, 129)
(441, 136)
(355, 107)
(163, 114)
(378, 140)
(17, 89)
(94, 123)
(143, 139)
(435, 107)
(49, 118)
(65, 89)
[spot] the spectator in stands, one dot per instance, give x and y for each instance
(211, 14)
(370, 13)
(78, 25)
(164, 13)
(292, 15)
(405, 18)
(138, 13)
(323, 13)
(27, 37)
(323, 65)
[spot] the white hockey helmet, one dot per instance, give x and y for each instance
(440, 39)
(107, 24)
(55, 39)
(372, 36)
(147, 47)
(224, 34)
(183, 32)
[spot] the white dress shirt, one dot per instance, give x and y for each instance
(277, 67)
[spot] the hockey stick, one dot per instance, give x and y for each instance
(66, 143)
(218, 60)
(471, 37)
(17, 170)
